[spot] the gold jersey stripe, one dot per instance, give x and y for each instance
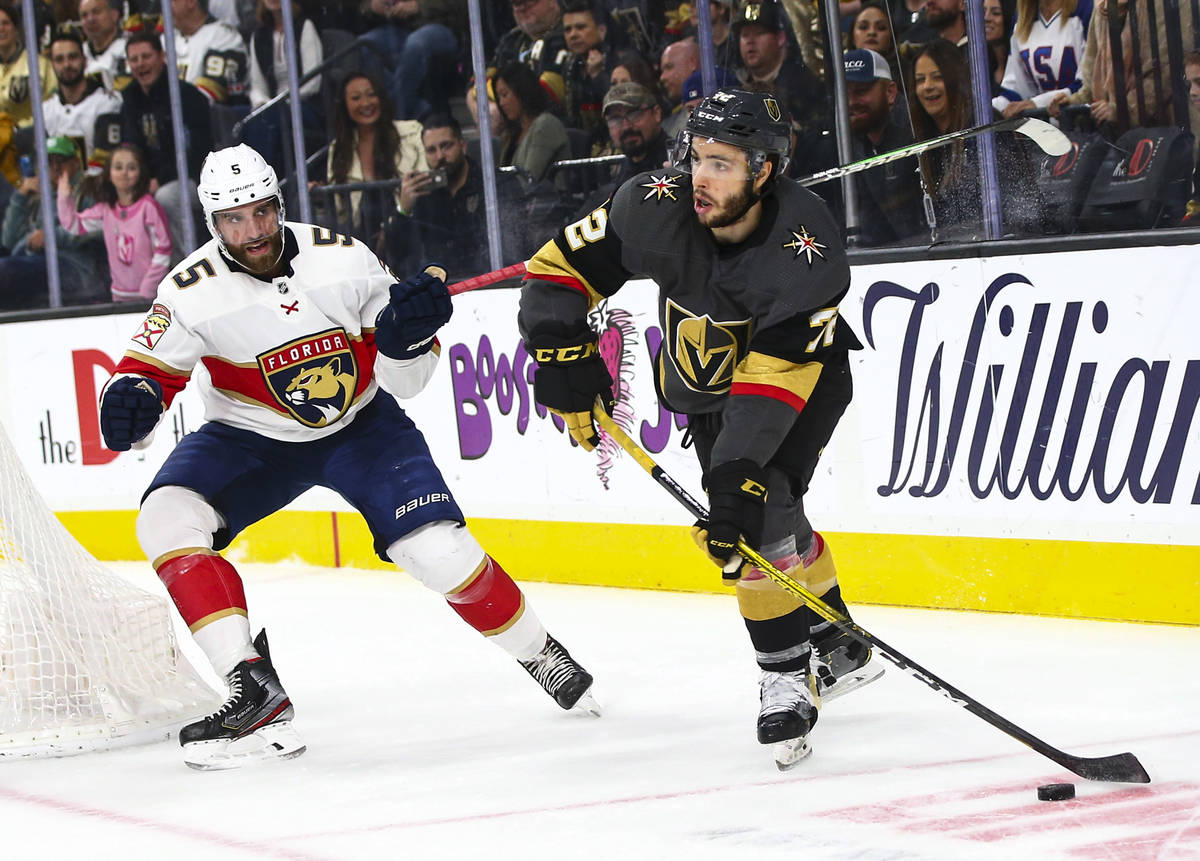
(759, 369)
(550, 262)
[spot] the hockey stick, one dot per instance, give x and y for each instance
(1119, 768)
(1049, 139)
(514, 271)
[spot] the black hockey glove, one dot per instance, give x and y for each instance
(418, 308)
(129, 410)
(570, 376)
(737, 492)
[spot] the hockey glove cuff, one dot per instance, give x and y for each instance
(570, 376)
(129, 410)
(737, 495)
(419, 307)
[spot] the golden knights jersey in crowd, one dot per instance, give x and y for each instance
(757, 319)
(292, 359)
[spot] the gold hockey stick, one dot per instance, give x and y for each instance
(1118, 768)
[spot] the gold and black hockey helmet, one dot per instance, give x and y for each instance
(752, 121)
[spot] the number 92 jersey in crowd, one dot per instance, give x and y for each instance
(292, 358)
(757, 318)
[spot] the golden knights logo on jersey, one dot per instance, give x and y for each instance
(314, 378)
(704, 351)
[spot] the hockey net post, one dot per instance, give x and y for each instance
(88, 661)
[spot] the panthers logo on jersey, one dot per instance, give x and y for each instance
(704, 351)
(313, 378)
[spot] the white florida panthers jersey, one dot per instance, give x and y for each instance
(1048, 62)
(292, 359)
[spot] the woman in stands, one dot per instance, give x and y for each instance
(1045, 54)
(997, 27)
(533, 137)
(871, 30)
(368, 145)
(268, 78)
(940, 103)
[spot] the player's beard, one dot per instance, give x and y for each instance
(259, 263)
(728, 211)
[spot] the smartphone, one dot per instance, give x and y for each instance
(26, 164)
(437, 176)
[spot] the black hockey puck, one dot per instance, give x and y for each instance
(1056, 792)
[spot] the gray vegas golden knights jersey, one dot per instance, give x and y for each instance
(747, 329)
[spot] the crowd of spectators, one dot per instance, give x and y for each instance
(392, 143)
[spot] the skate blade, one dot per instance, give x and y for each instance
(852, 681)
(788, 753)
(587, 704)
(275, 741)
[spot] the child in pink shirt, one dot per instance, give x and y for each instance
(134, 224)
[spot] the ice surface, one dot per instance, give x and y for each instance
(426, 743)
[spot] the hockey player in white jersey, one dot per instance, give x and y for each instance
(297, 329)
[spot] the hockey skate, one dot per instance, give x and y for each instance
(842, 664)
(560, 676)
(788, 714)
(253, 725)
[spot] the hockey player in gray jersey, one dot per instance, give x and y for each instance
(750, 269)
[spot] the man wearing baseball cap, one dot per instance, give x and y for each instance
(889, 196)
(634, 120)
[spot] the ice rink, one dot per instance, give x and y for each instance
(425, 742)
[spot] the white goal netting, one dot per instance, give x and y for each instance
(87, 660)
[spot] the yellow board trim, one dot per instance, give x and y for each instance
(1077, 579)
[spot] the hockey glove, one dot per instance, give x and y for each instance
(737, 493)
(418, 308)
(129, 410)
(570, 376)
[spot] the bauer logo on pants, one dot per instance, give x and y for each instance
(314, 378)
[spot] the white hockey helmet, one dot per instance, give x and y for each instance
(232, 177)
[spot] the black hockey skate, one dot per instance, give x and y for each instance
(841, 664)
(788, 714)
(561, 676)
(255, 723)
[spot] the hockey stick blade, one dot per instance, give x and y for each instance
(1120, 768)
(1049, 139)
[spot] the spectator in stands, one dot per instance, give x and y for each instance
(940, 102)
(997, 28)
(447, 221)
(1148, 90)
(871, 30)
(81, 259)
(1051, 32)
(268, 77)
(104, 49)
(586, 71)
(679, 59)
(369, 145)
(720, 13)
(146, 121)
(409, 48)
(939, 19)
(211, 54)
(537, 40)
(769, 69)
(634, 120)
(81, 107)
(889, 196)
(10, 175)
(133, 224)
(533, 138)
(632, 66)
(14, 69)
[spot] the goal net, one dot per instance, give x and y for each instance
(87, 660)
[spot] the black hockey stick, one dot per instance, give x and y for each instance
(1049, 139)
(1119, 768)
